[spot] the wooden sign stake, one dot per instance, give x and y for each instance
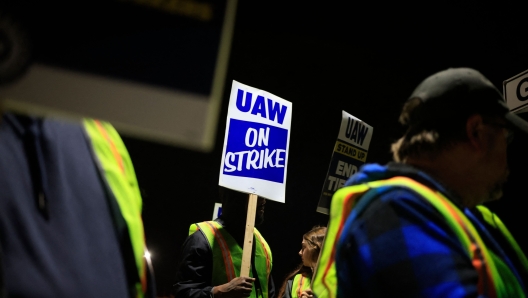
(248, 237)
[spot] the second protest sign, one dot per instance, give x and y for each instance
(350, 152)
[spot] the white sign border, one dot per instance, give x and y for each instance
(268, 189)
(342, 131)
(520, 108)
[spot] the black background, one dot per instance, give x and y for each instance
(325, 57)
(124, 39)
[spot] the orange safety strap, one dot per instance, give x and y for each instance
(485, 284)
(268, 266)
(299, 289)
(480, 257)
(112, 145)
(348, 203)
(119, 160)
(226, 254)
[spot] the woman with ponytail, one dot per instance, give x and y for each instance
(297, 283)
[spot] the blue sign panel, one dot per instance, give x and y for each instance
(255, 150)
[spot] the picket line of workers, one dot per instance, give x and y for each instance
(415, 227)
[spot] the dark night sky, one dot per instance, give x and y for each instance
(325, 57)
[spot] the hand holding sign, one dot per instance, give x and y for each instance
(237, 287)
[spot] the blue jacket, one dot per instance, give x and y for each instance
(400, 246)
(60, 234)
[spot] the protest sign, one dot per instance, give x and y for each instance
(515, 91)
(350, 152)
(217, 211)
(256, 142)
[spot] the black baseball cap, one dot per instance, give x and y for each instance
(453, 95)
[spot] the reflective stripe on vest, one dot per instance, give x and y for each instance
(211, 229)
(300, 284)
(325, 279)
(267, 251)
(226, 249)
(490, 283)
(493, 220)
(118, 171)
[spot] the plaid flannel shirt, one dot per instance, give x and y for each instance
(402, 247)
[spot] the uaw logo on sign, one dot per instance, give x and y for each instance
(256, 142)
(516, 92)
(350, 152)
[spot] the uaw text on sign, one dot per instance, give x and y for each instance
(255, 153)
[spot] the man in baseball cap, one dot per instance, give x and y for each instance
(454, 94)
(416, 227)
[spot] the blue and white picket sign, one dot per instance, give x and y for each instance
(350, 153)
(256, 142)
(217, 211)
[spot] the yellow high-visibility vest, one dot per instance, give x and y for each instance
(227, 255)
(115, 166)
(496, 278)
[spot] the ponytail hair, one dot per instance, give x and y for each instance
(314, 238)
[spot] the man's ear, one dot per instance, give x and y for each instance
(475, 132)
